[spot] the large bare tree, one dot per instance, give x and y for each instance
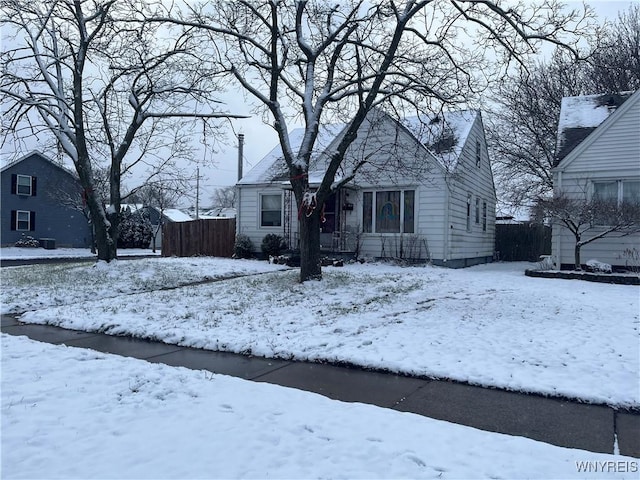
(318, 61)
(107, 88)
(523, 126)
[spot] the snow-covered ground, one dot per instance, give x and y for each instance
(15, 253)
(75, 413)
(487, 325)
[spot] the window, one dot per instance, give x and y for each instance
(484, 215)
(615, 192)
(271, 210)
(393, 211)
(468, 212)
(23, 220)
(23, 185)
(478, 153)
(477, 210)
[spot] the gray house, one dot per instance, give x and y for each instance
(598, 155)
(425, 191)
(42, 199)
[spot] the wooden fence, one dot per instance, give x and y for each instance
(522, 242)
(210, 237)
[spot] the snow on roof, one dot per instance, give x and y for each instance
(444, 138)
(175, 215)
(581, 115)
(444, 134)
(273, 168)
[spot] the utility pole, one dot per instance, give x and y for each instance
(197, 193)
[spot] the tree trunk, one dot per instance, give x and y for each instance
(576, 255)
(310, 266)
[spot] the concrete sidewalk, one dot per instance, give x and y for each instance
(560, 422)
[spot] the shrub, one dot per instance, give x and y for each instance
(27, 241)
(273, 244)
(243, 248)
(135, 231)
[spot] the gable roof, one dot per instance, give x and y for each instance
(273, 168)
(37, 153)
(580, 116)
(443, 135)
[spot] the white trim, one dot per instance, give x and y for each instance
(28, 229)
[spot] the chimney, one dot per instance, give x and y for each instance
(240, 149)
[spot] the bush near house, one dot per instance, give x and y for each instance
(243, 247)
(273, 244)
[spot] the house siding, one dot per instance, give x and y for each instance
(53, 219)
(396, 161)
(612, 154)
(476, 243)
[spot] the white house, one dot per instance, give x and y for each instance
(598, 154)
(425, 192)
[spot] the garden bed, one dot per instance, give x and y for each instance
(617, 278)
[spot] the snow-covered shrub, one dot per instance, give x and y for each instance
(135, 231)
(243, 248)
(599, 267)
(27, 241)
(546, 263)
(273, 244)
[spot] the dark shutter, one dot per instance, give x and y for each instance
(33, 186)
(14, 183)
(13, 219)
(32, 221)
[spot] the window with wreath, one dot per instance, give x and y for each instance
(388, 211)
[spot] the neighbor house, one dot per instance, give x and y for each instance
(161, 216)
(42, 199)
(598, 154)
(425, 191)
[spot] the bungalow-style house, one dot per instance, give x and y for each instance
(598, 154)
(425, 193)
(43, 200)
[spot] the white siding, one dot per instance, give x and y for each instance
(611, 152)
(248, 219)
(478, 181)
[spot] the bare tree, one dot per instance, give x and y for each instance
(224, 197)
(107, 88)
(522, 129)
(591, 220)
(318, 61)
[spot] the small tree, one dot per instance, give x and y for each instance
(591, 220)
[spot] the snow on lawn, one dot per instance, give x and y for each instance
(488, 325)
(68, 283)
(74, 413)
(22, 253)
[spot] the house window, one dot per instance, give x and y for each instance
(393, 211)
(23, 220)
(23, 185)
(367, 218)
(484, 215)
(615, 192)
(477, 210)
(468, 212)
(478, 153)
(271, 210)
